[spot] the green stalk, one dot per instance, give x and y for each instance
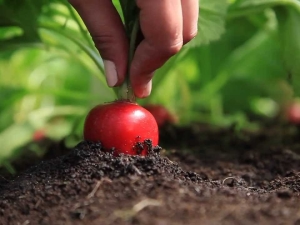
(81, 28)
(126, 92)
(132, 26)
(85, 48)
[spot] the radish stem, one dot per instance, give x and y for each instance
(126, 91)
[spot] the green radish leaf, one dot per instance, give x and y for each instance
(24, 15)
(10, 94)
(18, 42)
(263, 3)
(244, 7)
(211, 24)
(130, 13)
(289, 32)
(118, 7)
(14, 137)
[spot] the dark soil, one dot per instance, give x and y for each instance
(205, 176)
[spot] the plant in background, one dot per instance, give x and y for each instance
(242, 63)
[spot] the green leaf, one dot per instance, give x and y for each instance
(130, 13)
(14, 137)
(83, 46)
(118, 7)
(10, 94)
(211, 24)
(25, 15)
(289, 31)
(244, 7)
(265, 3)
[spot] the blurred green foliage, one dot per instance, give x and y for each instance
(243, 64)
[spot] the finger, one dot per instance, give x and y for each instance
(108, 33)
(190, 12)
(161, 25)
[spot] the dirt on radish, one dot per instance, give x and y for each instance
(201, 176)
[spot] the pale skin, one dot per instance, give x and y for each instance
(166, 26)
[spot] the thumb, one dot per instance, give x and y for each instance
(108, 33)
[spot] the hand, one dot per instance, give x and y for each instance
(166, 25)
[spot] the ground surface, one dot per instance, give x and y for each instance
(205, 176)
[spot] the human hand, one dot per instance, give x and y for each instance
(166, 26)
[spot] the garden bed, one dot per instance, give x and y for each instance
(201, 176)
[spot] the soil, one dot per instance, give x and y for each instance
(201, 176)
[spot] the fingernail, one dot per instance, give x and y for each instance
(146, 90)
(110, 73)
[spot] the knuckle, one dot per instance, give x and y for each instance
(190, 36)
(110, 46)
(170, 50)
(105, 45)
(103, 41)
(106, 38)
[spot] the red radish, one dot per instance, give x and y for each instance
(161, 114)
(122, 126)
(293, 113)
(38, 135)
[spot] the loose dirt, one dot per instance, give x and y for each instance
(201, 176)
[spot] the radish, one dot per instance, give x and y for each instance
(161, 114)
(123, 126)
(293, 113)
(39, 135)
